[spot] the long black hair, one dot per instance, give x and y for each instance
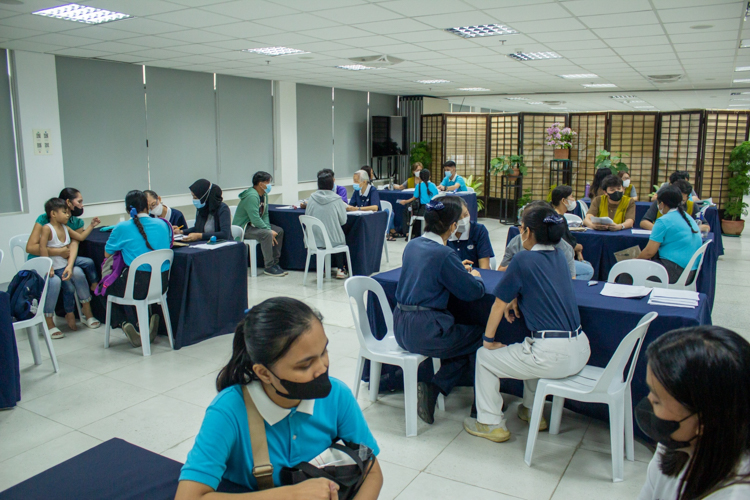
(425, 178)
(441, 213)
(707, 370)
(136, 203)
(671, 196)
(545, 223)
(560, 193)
(599, 176)
(265, 336)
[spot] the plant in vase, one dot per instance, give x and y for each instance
(420, 152)
(739, 186)
(612, 161)
(523, 201)
(561, 138)
(508, 166)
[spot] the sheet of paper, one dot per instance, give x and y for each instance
(602, 220)
(359, 212)
(675, 294)
(624, 291)
(206, 246)
(411, 190)
(285, 207)
(178, 237)
(641, 231)
(670, 304)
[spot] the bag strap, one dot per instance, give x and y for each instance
(263, 469)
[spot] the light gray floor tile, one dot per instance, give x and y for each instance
(395, 479)
(165, 372)
(589, 477)
(429, 487)
(22, 430)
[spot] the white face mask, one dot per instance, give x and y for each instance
(570, 205)
(463, 227)
(525, 240)
(452, 237)
(664, 212)
(626, 183)
(157, 210)
(416, 174)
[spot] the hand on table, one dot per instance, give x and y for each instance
(616, 227)
(441, 188)
(511, 311)
(192, 237)
(492, 345)
(316, 489)
(474, 272)
(600, 227)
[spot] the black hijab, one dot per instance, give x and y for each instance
(209, 193)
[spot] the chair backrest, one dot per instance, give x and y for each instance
(470, 189)
(386, 206)
(682, 280)
(356, 288)
(41, 265)
(232, 210)
(573, 219)
(154, 259)
(493, 263)
(237, 233)
(308, 223)
(18, 241)
(2, 254)
(630, 345)
(190, 223)
(584, 207)
(642, 272)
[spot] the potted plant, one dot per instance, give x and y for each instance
(562, 139)
(612, 161)
(523, 201)
(420, 152)
(739, 185)
(509, 166)
(476, 185)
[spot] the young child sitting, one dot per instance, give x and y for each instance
(64, 275)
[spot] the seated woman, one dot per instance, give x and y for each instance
(691, 208)
(279, 364)
(430, 273)
(365, 197)
(679, 175)
(212, 217)
(696, 410)
(424, 191)
(326, 206)
(596, 185)
(563, 202)
(132, 238)
(411, 181)
(674, 238)
(613, 204)
(536, 288)
(471, 241)
(628, 187)
(159, 209)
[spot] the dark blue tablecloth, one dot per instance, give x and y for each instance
(10, 378)
(398, 210)
(605, 320)
(207, 293)
(599, 249)
(364, 236)
(711, 216)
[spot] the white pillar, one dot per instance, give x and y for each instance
(285, 141)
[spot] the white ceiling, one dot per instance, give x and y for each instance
(622, 41)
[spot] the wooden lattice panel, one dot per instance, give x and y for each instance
(592, 130)
(724, 131)
(432, 132)
(466, 144)
(634, 134)
(679, 144)
(536, 154)
(503, 142)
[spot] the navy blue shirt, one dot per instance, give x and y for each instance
(372, 198)
(176, 218)
(477, 247)
(541, 281)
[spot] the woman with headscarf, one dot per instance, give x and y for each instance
(212, 216)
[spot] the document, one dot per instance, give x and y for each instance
(359, 212)
(206, 246)
(411, 190)
(178, 237)
(602, 220)
(628, 253)
(285, 207)
(674, 298)
(624, 291)
(641, 231)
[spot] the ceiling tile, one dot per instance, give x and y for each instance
(510, 15)
(80, 52)
(618, 43)
(138, 8)
(245, 29)
(250, 9)
(297, 22)
(618, 20)
(39, 23)
(103, 32)
(196, 36)
(726, 25)
(629, 31)
(155, 42)
(283, 39)
(148, 54)
(145, 26)
(596, 7)
(411, 8)
(30, 46)
(13, 33)
(126, 58)
(358, 14)
(444, 21)
(532, 27)
(114, 47)
(319, 4)
(394, 26)
(193, 18)
(555, 36)
(702, 14)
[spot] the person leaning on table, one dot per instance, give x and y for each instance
(471, 241)
(365, 196)
(452, 181)
(691, 209)
(613, 204)
(411, 182)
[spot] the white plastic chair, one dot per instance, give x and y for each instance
(411, 224)
(386, 207)
(252, 245)
(573, 220)
(470, 189)
(322, 255)
(640, 270)
(232, 210)
(584, 207)
(597, 385)
(493, 263)
(682, 281)
(41, 265)
(155, 295)
(237, 233)
(386, 350)
(18, 241)
(2, 254)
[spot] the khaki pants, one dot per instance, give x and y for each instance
(271, 252)
(528, 361)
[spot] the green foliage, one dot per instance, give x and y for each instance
(478, 189)
(739, 182)
(613, 161)
(504, 165)
(420, 152)
(525, 199)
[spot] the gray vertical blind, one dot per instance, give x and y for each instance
(245, 129)
(382, 104)
(102, 127)
(314, 131)
(10, 199)
(350, 131)
(181, 108)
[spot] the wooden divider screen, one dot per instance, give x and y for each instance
(536, 155)
(466, 144)
(503, 142)
(634, 134)
(432, 132)
(724, 131)
(679, 144)
(592, 130)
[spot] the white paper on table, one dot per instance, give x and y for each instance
(624, 291)
(671, 304)
(360, 212)
(641, 231)
(215, 245)
(602, 220)
(410, 190)
(285, 207)
(674, 298)
(178, 237)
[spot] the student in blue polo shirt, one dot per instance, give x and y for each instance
(471, 241)
(280, 360)
(452, 181)
(365, 196)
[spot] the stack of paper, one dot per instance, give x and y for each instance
(214, 246)
(641, 231)
(359, 212)
(284, 207)
(602, 220)
(625, 291)
(674, 298)
(178, 237)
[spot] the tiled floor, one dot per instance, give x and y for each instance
(158, 403)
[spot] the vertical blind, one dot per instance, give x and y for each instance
(350, 131)
(314, 131)
(10, 200)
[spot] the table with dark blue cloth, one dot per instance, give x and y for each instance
(599, 249)
(207, 293)
(398, 210)
(10, 378)
(606, 321)
(711, 216)
(364, 236)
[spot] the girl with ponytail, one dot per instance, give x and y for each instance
(132, 238)
(280, 363)
(675, 236)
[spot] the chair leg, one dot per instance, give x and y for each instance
(385, 249)
(78, 306)
(374, 379)
(629, 444)
(616, 436)
(327, 268)
(167, 320)
(33, 335)
(349, 262)
(410, 397)
(411, 226)
(106, 324)
(307, 267)
(556, 417)
(441, 398)
(320, 264)
(358, 375)
(48, 339)
(536, 418)
(142, 310)
(253, 259)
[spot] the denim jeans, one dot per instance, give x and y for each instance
(584, 270)
(75, 284)
(89, 269)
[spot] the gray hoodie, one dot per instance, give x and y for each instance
(331, 210)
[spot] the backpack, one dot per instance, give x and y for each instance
(112, 268)
(25, 293)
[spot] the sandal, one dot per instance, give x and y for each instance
(341, 274)
(55, 333)
(390, 238)
(91, 322)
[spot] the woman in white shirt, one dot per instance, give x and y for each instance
(697, 412)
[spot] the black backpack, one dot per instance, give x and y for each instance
(23, 290)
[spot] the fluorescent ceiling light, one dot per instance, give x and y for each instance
(644, 107)
(582, 75)
(517, 98)
(738, 105)
(598, 85)
(355, 67)
(744, 44)
(624, 96)
(534, 56)
(632, 102)
(742, 68)
(482, 30)
(82, 14)
(558, 108)
(534, 102)
(474, 89)
(741, 80)
(739, 99)
(433, 81)
(276, 51)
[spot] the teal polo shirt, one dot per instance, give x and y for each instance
(223, 449)
(677, 242)
(74, 222)
(447, 182)
(127, 239)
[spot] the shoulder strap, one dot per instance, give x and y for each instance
(263, 469)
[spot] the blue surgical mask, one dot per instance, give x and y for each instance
(356, 187)
(448, 173)
(198, 204)
(268, 188)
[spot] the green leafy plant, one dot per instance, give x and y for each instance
(738, 183)
(613, 161)
(656, 190)
(505, 165)
(420, 152)
(525, 199)
(478, 189)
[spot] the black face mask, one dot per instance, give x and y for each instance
(317, 388)
(616, 196)
(76, 212)
(658, 429)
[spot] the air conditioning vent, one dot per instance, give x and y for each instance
(553, 103)
(381, 61)
(664, 78)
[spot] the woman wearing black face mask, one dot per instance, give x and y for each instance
(613, 204)
(697, 411)
(280, 360)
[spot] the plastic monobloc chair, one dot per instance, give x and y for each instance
(643, 273)
(252, 245)
(322, 255)
(18, 241)
(682, 283)
(386, 206)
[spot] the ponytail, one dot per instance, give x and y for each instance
(671, 196)
(239, 370)
(684, 216)
(136, 203)
(140, 228)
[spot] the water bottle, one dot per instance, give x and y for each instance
(588, 187)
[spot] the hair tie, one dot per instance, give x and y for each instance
(133, 213)
(554, 219)
(435, 206)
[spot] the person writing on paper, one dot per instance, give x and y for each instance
(627, 185)
(691, 209)
(325, 205)
(212, 217)
(412, 181)
(674, 238)
(471, 241)
(161, 210)
(365, 197)
(424, 191)
(452, 181)
(535, 288)
(564, 201)
(613, 205)
(279, 365)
